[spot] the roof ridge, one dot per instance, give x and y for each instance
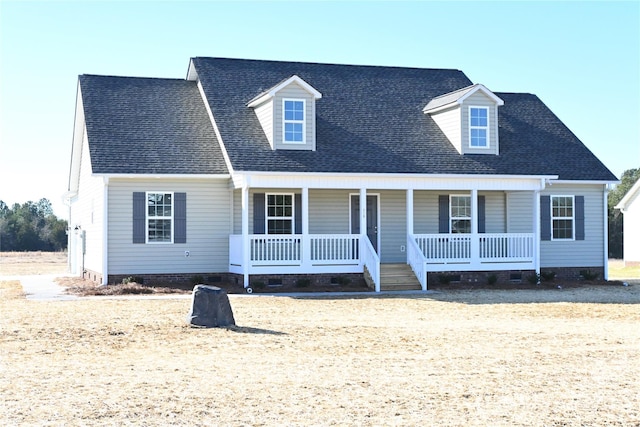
(397, 67)
(132, 77)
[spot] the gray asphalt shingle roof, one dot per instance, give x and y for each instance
(148, 126)
(370, 120)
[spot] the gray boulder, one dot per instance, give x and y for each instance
(210, 307)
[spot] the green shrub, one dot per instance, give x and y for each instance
(196, 280)
(444, 279)
(303, 283)
(492, 279)
(589, 275)
(534, 279)
(343, 280)
(548, 276)
(133, 279)
(258, 285)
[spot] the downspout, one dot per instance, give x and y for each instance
(605, 200)
(105, 233)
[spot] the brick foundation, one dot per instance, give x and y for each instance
(267, 281)
(177, 279)
(479, 277)
(573, 273)
(258, 280)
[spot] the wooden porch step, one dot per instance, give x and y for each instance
(398, 277)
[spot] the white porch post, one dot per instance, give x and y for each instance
(363, 211)
(306, 242)
(536, 231)
(605, 197)
(245, 236)
(475, 240)
(410, 211)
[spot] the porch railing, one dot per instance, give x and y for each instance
(511, 247)
(489, 248)
(334, 248)
(292, 249)
(445, 247)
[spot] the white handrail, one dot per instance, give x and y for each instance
(417, 261)
(370, 260)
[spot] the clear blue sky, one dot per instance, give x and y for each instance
(581, 58)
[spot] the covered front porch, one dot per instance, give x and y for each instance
(339, 229)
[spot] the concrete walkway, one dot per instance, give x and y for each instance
(42, 287)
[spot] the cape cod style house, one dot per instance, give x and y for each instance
(276, 170)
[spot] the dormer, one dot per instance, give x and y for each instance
(469, 119)
(287, 113)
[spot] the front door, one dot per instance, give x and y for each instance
(372, 217)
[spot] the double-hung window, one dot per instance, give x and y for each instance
(279, 214)
(460, 214)
(294, 121)
(159, 217)
(562, 217)
(478, 127)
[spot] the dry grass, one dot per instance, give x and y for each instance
(618, 271)
(553, 357)
(31, 263)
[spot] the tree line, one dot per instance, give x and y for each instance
(31, 227)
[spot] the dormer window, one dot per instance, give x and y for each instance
(478, 127)
(468, 117)
(294, 121)
(287, 114)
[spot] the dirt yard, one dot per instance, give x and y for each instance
(457, 358)
(26, 263)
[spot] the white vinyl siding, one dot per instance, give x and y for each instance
(450, 123)
(208, 229)
(264, 113)
(87, 212)
(294, 92)
(631, 234)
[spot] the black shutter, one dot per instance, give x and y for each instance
(139, 217)
(297, 209)
(545, 217)
(579, 217)
(258, 213)
(443, 214)
(481, 215)
(180, 217)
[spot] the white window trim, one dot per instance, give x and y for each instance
(303, 121)
(451, 217)
(487, 127)
(572, 218)
(147, 218)
(267, 217)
